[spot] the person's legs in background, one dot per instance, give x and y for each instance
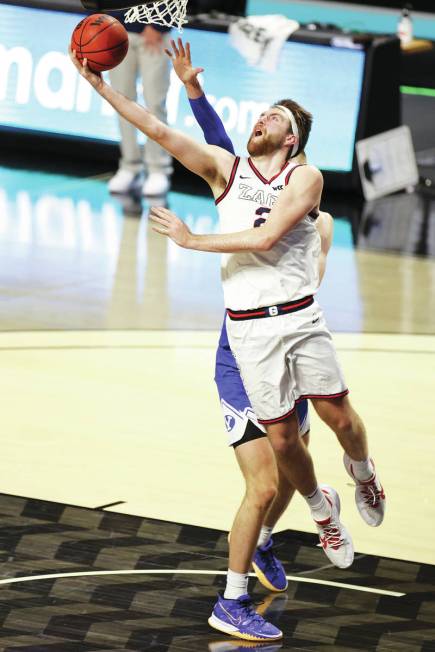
(124, 79)
(154, 69)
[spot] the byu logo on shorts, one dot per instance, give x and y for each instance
(273, 311)
(230, 422)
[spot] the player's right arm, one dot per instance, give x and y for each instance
(297, 199)
(211, 163)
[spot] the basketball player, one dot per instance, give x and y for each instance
(248, 438)
(275, 327)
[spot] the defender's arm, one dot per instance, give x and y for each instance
(205, 115)
(325, 227)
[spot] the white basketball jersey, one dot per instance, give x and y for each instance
(290, 270)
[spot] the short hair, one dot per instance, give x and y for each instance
(304, 120)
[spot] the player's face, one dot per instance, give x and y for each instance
(269, 133)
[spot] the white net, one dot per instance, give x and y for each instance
(170, 13)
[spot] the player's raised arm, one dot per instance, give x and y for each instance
(205, 115)
(181, 60)
(211, 163)
(296, 200)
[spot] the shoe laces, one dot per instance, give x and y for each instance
(331, 536)
(248, 612)
(270, 560)
(372, 493)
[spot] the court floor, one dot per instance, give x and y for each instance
(107, 342)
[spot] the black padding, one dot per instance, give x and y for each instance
(109, 5)
(251, 432)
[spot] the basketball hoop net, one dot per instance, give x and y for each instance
(170, 13)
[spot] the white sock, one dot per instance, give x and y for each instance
(237, 585)
(363, 470)
(320, 508)
(265, 534)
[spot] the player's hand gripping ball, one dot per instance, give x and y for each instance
(100, 39)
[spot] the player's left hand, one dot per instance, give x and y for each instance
(167, 223)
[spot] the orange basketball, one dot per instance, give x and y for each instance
(102, 40)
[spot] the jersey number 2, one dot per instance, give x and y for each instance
(260, 220)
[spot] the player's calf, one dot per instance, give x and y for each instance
(340, 416)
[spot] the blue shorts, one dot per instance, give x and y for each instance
(235, 403)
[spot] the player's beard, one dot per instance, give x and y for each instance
(265, 144)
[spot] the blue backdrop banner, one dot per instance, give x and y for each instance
(41, 90)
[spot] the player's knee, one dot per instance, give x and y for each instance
(285, 445)
(266, 496)
(344, 424)
(284, 436)
(263, 495)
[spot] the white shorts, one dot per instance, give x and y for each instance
(285, 359)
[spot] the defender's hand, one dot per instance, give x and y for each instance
(94, 78)
(167, 223)
(182, 62)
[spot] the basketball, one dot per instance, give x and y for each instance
(100, 39)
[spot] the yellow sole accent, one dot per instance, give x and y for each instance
(239, 643)
(265, 582)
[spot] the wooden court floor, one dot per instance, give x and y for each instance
(83, 580)
(107, 344)
(95, 418)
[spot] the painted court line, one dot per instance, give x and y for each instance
(118, 502)
(292, 578)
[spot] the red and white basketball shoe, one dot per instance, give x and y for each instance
(369, 495)
(334, 538)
